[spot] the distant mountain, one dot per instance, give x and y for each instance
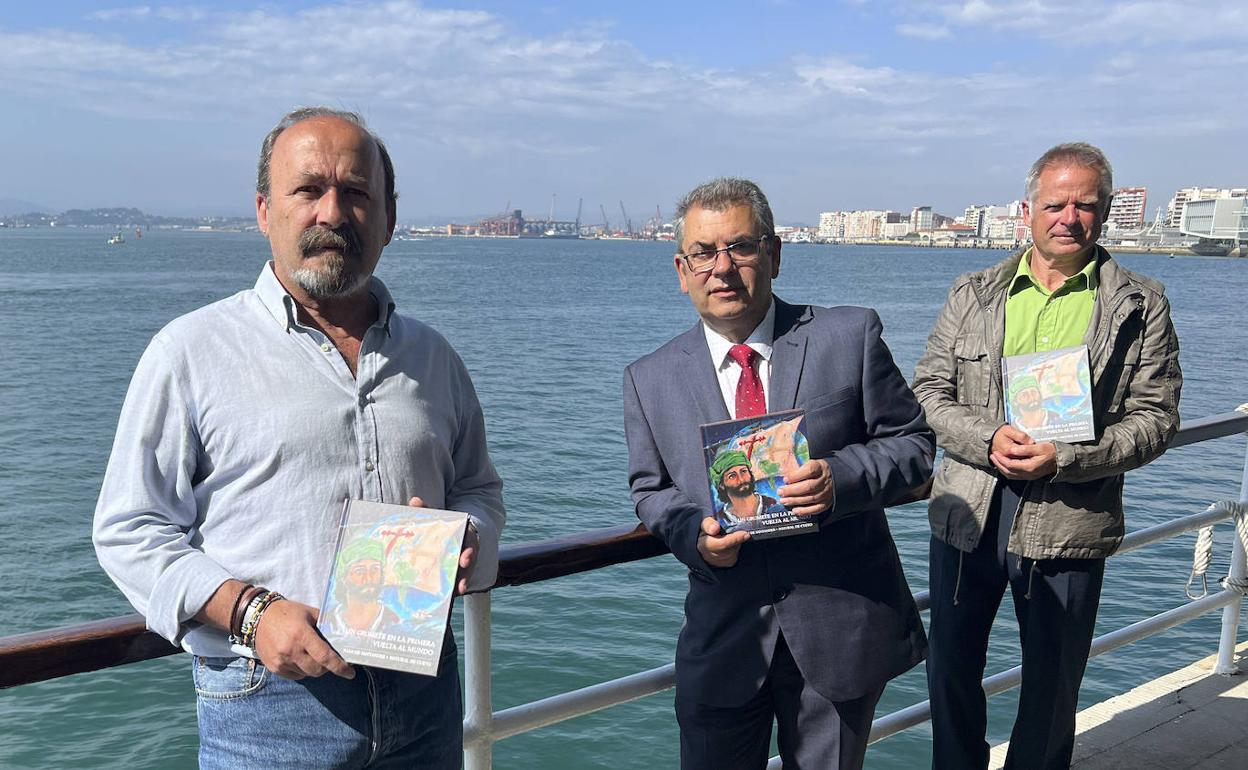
(12, 206)
(119, 217)
(122, 218)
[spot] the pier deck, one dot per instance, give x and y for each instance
(1189, 719)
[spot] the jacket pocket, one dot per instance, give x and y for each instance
(831, 398)
(1125, 374)
(958, 492)
(1081, 521)
(974, 370)
(1119, 375)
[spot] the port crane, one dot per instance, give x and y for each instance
(656, 224)
(627, 221)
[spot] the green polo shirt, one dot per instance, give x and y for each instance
(1037, 319)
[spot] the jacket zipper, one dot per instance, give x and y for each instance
(1107, 321)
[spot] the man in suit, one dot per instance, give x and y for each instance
(805, 629)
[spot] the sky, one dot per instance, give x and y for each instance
(841, 104)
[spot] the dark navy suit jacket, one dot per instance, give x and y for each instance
(838, 595)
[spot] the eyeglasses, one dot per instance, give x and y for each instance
(741, 253)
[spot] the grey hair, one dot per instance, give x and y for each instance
(723, 193)
(300, 114)
(1074, 154)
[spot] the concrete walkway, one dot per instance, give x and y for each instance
(1190, 719)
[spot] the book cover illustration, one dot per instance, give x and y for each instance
(390, 588)
(1049, 395)
(746, 461)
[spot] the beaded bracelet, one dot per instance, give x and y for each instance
(254, 612)
(247, 613)
(249, 617)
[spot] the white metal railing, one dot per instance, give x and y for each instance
(483, 727)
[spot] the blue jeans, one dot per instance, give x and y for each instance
(251, 718)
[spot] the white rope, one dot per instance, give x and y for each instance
(1200, 563)
(1203, 556)
(1240, 585)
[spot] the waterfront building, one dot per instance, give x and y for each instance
(1221, 224)
(895, 230)
(1175, 210)
(1126, 212)
(1008, 228)
(832, 226)
(951, 232)
(863, 225)
(921, 219)
(973, 218)
(978, 217)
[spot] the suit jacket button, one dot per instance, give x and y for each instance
(779, 594)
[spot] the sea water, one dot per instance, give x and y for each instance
(546, 328)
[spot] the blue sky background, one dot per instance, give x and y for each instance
(828, 105)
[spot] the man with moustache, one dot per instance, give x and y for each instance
(734, 483)
(247, 424)
(1027, 404)
(804, 630)
(1037, 516)
(361, 567)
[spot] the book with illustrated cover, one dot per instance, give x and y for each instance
(746, 461)
(1048, 395)
(389, 595)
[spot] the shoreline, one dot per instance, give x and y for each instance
(1173, 251)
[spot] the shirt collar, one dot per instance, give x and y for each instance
(284, 309)
(760, 339)
(1023, 277)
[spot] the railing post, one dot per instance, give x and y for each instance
(1230, 613)
(479, 708)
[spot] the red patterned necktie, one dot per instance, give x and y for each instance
(751, 401)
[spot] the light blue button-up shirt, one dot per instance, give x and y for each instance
(244, 430)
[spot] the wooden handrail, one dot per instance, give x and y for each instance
(580, 552)
(43, 655)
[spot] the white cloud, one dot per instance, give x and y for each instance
(468, 87)
(1104, 21)
(924, 31)
(132, 13)
(467, 79)
(459, 70)
(171, 13)
(840, 76)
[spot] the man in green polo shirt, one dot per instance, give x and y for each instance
(1037, 516)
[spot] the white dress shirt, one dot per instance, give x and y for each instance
(727, 370)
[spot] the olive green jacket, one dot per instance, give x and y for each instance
(1134, 357)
